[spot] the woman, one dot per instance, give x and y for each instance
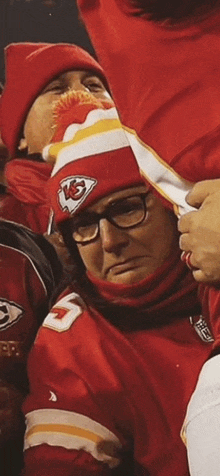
(116, 360)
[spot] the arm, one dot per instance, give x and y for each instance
(47, 460)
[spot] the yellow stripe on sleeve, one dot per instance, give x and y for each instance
(72, 431)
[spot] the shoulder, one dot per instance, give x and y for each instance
(65, 312)
(67, 331)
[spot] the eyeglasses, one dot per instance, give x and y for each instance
(124, 213)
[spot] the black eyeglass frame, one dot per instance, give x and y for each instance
(106, 215)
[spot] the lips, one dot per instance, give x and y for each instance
(124, 266)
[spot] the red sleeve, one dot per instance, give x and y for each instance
(46, 460)
(170, 87)
(21, 294)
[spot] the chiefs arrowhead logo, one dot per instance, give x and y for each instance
(10, 313)
(73, 191)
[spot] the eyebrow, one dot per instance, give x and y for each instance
(59, 79)
(109, 205)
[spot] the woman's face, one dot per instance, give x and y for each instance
(38, 128)
(127, 256)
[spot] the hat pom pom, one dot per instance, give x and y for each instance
(73, 107)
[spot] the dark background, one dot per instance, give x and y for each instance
(40, 20)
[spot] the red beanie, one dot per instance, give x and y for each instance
(93, 160)
(29, 67)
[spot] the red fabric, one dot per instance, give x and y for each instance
(169, 290)
(210, 299)
(29, 67)
(164, 82)
(22, 294)
(22, 286)
(60, 462)
(136, 384)
(26, 201)
(171, 95)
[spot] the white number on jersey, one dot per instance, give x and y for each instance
(64, 313)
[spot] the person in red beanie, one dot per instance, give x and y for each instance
(36, 75)
(117, 357)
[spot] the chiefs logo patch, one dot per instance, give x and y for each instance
(10, 313)
(73, 191)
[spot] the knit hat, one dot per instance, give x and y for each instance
(29, 68)
(94, 158)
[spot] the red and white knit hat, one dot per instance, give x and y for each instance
(94, 158)
(29, 68)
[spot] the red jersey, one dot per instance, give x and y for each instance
(29, 270)
(100, 398)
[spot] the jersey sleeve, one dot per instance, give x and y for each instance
(47, 460)
(201, 430)
(72, 422)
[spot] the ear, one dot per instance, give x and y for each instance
(22, 144)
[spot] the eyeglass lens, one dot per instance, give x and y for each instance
(124, 213)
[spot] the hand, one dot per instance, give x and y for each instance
(201, 231)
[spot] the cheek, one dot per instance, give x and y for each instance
(43, 114)
(104, 95)
(159, 236)
(165, 238)
(38, 128)
(92, 258)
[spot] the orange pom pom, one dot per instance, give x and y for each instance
(73, 107)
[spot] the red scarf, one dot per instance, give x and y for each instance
(167, 294)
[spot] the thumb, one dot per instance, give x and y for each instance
(201, 191)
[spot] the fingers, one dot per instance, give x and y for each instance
(186, 222)
(201, 277)
(201, 191)
(200, 231)
(184, 242)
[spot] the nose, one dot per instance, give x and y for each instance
(113, 239)
(76, 85)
